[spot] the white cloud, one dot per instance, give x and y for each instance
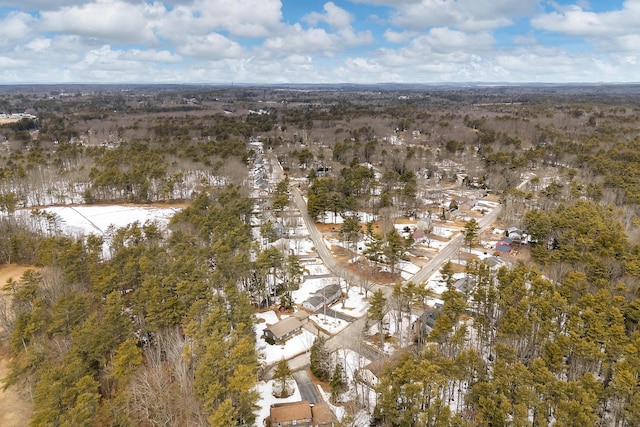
(334, 16)
(16, 26)
(244, 18)
(469, 15)
(299, 40)
(615, 30)
(212, 46)
(106, 20)
(398, 37)
(448, 40)
(339, 20)
(39, 44)
(152, 55)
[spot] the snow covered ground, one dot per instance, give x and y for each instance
(83, 220)
(310, 286)
(267, 399)
(328, 323)
(354, 305)
(101, 220)
(270, 354)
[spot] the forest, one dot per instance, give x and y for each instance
(161, 331)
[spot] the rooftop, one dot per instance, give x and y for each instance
(284, 326)
(282, 412)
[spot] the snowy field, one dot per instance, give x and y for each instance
(83, 220)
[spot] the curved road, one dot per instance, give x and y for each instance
(352, 336)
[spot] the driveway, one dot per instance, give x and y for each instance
(307, 389)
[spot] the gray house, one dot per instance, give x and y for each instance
(422, 326)
(284, 329)
(327, 295)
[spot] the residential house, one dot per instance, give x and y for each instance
(325, 296)
(283, 330)
(302, 316)
(464, 285)
(515, 234)
(300, 414)
(495, 263)
(370, 373)
(422, 326)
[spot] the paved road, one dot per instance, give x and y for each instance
(307, 389)
(450, 250)
(336, 314)
(352, 336)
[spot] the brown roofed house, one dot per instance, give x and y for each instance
(300, 414)
(291, 414)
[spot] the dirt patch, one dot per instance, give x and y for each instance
(16, 408)
(328, 228)
(12, 271)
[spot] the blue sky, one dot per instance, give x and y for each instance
(310, 41)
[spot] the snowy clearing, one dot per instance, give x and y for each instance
(267, 399)
(270, 354)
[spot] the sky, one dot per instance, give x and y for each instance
(309, 41)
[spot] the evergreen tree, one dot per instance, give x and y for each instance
(320, 359)
(338, 383)
(377, 311)
(281, 376)
(471, 230)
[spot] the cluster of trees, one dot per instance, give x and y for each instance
(357, 188)
(160, 333)
(520, 349)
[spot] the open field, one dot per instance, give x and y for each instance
(16, 408)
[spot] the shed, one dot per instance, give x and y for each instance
(314, 303)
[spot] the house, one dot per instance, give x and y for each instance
(494, 263)
(322, 415)
(284, 329)
(302, 316)
(325, 296)
(464, 285)
(313, 303)
(370, 373)
(504, 242)
(515, 234)
(503, 249)
(300, 414)
(422, 326)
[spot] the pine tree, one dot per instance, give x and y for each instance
(377, 311)
(319, 359)
(281, 376)
(338, 383)
(471, 230)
